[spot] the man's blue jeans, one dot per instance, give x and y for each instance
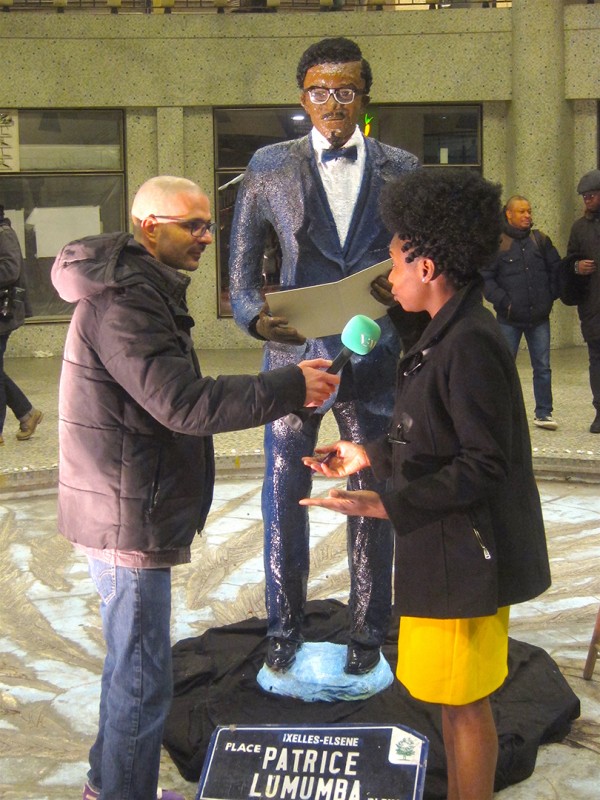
(137, 681)
(538, 344)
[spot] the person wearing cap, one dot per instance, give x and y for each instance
(581, 269)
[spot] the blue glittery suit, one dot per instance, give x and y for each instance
(282, 188)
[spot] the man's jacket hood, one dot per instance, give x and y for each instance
(89, 266)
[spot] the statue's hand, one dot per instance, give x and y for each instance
(276, 329)
(381, 290)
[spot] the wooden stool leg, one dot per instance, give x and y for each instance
(590, 663)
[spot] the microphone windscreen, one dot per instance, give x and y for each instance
(361, 334)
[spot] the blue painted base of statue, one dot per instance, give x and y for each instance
(318, 675)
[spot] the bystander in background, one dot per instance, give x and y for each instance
(581, 281)
(12, 315)
(522, 285)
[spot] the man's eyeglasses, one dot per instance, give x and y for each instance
(590, 195)
(197, 227)
(320, 95)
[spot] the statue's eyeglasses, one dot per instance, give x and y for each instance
(320, 95)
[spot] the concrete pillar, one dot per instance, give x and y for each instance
(141, 161)
(494, 142)
(169, 125)
(540, 130)
(540, 137)
(585, 147)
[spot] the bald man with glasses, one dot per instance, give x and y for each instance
(136, 464)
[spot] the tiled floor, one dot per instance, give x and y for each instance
(50, 638)
(570, 451)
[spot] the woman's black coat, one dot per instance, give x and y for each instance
(462, 496)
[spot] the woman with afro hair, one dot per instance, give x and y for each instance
(460, 493)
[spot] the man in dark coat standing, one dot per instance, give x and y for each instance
(581, 273)
(136, 467)
(522, 285)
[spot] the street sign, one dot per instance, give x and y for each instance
(333, 762)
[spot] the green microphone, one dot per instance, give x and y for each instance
(359, 337)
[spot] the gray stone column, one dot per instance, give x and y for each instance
(141, 158)
(540, 137)
(585, 147)
(540, 130)
(495, 141)
(169, 124)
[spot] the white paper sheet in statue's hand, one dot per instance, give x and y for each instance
(325, 309)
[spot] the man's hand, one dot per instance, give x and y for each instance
(320, 385)
(586, 266)
(362, 503)
(276, 329)
(338, 460)
(381, 290)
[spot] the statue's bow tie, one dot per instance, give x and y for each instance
(341, 152)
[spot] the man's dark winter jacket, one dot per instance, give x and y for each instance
(522, 281)
(135, 414)
(584, 242)
(462, 496)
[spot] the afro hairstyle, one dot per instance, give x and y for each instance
(451, 216)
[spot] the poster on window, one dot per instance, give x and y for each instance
(56, 227)
(9, 141)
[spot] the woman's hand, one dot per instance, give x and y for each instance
(353, 504)
(338, 460)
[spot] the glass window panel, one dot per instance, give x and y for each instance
(436, 134)
(70, 140)
(49, 211)
(240, 132)
(64, 180)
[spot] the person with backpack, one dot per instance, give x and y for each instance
(12, 315)
(522, 283)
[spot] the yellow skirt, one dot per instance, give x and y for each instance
(453, 661)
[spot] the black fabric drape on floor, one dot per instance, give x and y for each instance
(215, 684)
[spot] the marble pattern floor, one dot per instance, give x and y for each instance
(50, 638)
(51, 643)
